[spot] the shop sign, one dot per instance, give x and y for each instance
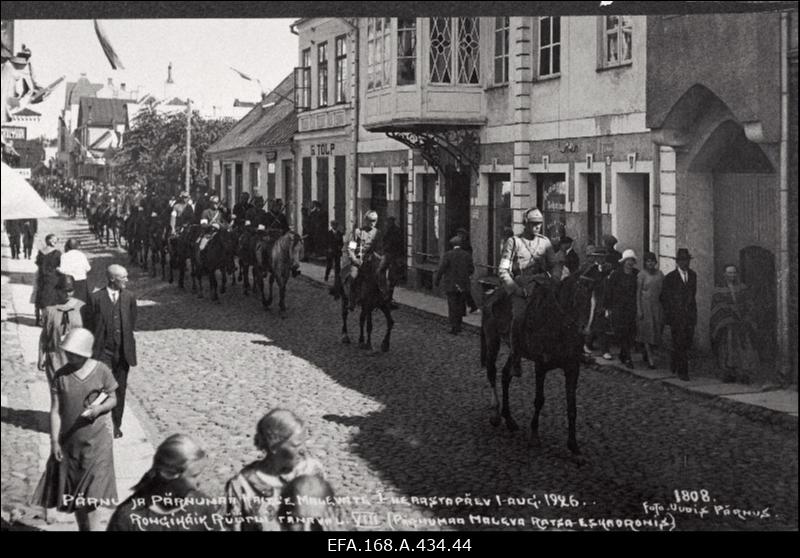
(322, 149)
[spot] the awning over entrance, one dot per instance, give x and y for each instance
(19, 199)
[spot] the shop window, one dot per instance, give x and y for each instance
(551, 198)
(549, 46)
(406, 51)
(501, 36)
(341, 69)
(617, 40)
(322, 74)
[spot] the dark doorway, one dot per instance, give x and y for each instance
(551, 199)
(757, 271)
(378, 199)
(456, 202)
(239, 181)
(288, 189)
(501, 216)
(402, 189)
(306, 171)
(594, 210)
(340, 191)
(322, 183)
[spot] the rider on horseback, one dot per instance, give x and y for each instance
(182, 214)
(255, 214)
(275, 221)
(526, 259)
(212, 219)
(365, 243)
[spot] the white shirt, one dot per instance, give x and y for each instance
(76, 264)
(684, 275)
(113, 294)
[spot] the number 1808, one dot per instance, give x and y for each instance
(695, 496)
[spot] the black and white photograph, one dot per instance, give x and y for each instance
(407, 274)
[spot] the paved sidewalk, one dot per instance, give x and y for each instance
(767, 401)
(133, 453)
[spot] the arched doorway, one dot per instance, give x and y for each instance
(725, 197)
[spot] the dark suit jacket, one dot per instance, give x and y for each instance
(101, 322)
(454, 271)
(678, 299)
(334, 242)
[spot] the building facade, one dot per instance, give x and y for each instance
(632, 126)
(727, 163)
(256, 155)
(325, 97)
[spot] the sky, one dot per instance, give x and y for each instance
(200, 51)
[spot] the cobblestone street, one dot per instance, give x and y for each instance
(394, 428)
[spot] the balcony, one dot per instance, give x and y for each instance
(335, 116)
(422, 107)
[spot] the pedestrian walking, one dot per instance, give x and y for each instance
(598, 327)
(112, 317)
(48, 261)
(167, 497)
(29, 229)
(649, 314)
(334, 243)
(467, 247)
(79, 476)
(57, 321)
(620, 305)
(680, 311)
(14, 232)
(252, 496)
(75, 263)
(454, 273)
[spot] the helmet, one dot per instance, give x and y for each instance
(214, 199)
(533, 215)
(79, 341)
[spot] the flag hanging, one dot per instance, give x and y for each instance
(107, 48)
(242, 74)
(43, 94)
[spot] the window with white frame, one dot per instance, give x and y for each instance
(322, 74)
(501, 36)
(617, 40)
(549, 46)
(406, 51)
(341, 69)
(459, 65)
(378, 52)
(302, 80)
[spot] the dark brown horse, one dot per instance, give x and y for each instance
(180, 248)
(370, 298)
(552, 339)
(276, 261)
(215, 256)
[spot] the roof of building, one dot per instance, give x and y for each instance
(102, 112)
(272, 122)
(26, 112)
(81, 88)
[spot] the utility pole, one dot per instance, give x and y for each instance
(188, 143)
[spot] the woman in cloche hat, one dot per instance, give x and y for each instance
(80, 472)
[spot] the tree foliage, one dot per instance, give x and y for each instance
(154, 150)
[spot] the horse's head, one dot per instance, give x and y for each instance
(296, 250)
(575, 296)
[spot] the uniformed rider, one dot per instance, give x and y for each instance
(255, 214)
(276, 222)
(212, 219)
(365, 243)
(182, 213)
(526, 259)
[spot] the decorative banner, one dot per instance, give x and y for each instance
(111, 54)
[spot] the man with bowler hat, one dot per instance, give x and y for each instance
(454, 272)
(680, 311)
(113, 320)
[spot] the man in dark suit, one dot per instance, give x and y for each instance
(334, 244)
(680, 311)
(454, 272)
(14, 233)
(113, 320)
